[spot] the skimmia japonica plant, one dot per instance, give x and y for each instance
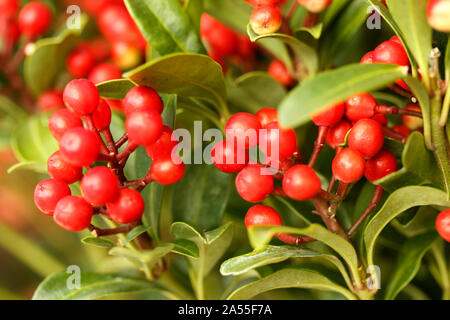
(223, 149)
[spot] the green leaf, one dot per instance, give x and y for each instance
(147, 259)
(33, 143)
(98, 242)
(333, 10)
(300, 277)
(93, 286)
(115, 89)
(261, 236)
(194, 9)
(332, 86)
(201, 197)
(307, 54)
(48, 57)
(133, 234)
(187, 75)
(28, 165)
(165, 25)
(11, 116)
(397, 203)
(315, 31)
(408, 263)
(186, 248)
(411, 18)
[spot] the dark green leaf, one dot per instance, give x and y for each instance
(315, 31)
(165, 25)
(333, 10)
(98, 242)
(186, 248)
(332, 86)
(133, 234)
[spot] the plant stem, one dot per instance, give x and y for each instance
(318, 145)
(377, 195)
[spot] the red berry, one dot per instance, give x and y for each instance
(367, 137)
(272, 136)
(73, 213)
(367, 58)
(128, 206)
(140, 98)
(102, 115)
(259, 3)
(391, 52)
(80, 147)
(48, 193)
(443, 224)
(360, 106)
(50, 100)
(402, 130)
(396, 39)
(242, 125)
(254, 183)
(58, 168)
(301, 183)
(167, 169)
(34, 19)
(266, 19)
(220, 37)
(80, 61)
(315, 6)
(267, 115)
(329, 116)
(245, 47)
(9, 7)
(381, 165)
(348, 165)
(104, 72)
(217, 57)
(144, 127)
(411, 122)
(336, 134)
(279, 72)
(228, 158)
(261, 215)
(163, 146)
(81, 96)
(99, 186)
(62, 121)
(438, 14)
(380, 118)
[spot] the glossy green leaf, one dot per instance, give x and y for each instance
(315, 31)
(300, 277)
(187, 75)
(115, 89)
(411, 18)
(408, 263)
(186, 248)
(133, 234)
(397, 203)
(333, 10)
(98, 242)
(147, 259)
(201, 197)
(93, 286)
(48, 57)
(336, 85)
(165, 25)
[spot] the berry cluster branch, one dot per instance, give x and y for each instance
(376, 198)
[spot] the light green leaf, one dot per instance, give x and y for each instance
(98, 242)
(133, 234)
(194, 9)
(115, 89)
(315, 31)
(147, 259)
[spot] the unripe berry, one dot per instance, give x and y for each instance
(140, 98)
(47, 194)
(329, 116)
(279, 72)
(163, 146)
(301, 183)
(336, 134)
(144, 127)
(391, 52)
(81, 96)
(99, 186)
(242, 125)
(126, 55)
(267, 115)
(104, 72)
(50, 100)
(80, 147)
(273, 135)
(73, 213)
(167, 169)
(261, 215)
(360, 106)
(266, 19)
(438, 14)
(254, 183)
(367, 137)
(228, 158)
(80, 61)
(381, 165)
(61, 121)
(128, 206)
(411, 122)
(58, 168)
(102, 115)
(367, 58)
(443, 224)
(348, 165)
(315, 6)
(34, 19)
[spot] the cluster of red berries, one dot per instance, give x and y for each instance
(104, 189)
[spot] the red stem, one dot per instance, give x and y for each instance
(388, 132)
(376, 198)
(395, 110)
(318, 145)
